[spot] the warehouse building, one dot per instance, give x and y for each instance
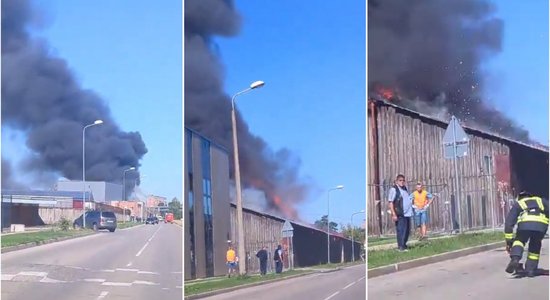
(402, 141)
(103, 191)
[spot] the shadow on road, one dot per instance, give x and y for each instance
(523, 274)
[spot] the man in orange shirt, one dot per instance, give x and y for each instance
(421, 201)
(231, 258)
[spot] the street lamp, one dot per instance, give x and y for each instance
(124, 182)
(339, 187)
(352, 241)
(96, 122)
(240, 227)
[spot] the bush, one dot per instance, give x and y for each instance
(64, 224)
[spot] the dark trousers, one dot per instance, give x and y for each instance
(278, 266)
(402, 228)
(263, 267)
(535, 243)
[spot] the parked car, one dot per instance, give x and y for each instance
(152, 220)
(160, 218)
(97, 220)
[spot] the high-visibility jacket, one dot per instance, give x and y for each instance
(230, 255)
(420, 199)
(530, 213)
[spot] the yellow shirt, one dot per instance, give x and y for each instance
(420, 199)
(230, 255)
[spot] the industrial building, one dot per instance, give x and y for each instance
(402, 141)
(205, 207)
(210, 224)
(103, 192)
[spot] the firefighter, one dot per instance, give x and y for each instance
(531, 215)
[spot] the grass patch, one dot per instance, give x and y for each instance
(339, 265)
(122, 225)
(224, 282)
(378, 258)
(24, 238)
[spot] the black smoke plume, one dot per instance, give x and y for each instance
(430, 54)
(42, 98)
(208, 107)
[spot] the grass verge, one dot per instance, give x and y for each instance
(122, 225)
(334, 266)
(224, 282)
(378, 258)
(24, 238)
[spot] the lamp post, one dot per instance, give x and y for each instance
(352, 237)
(124, 182)
(96, 122)
(240, 227)
(328, 220)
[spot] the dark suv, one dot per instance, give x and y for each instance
(152, 220)
(98, 220)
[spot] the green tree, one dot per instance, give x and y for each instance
(358, 233)
(175, 208)
(322, 224)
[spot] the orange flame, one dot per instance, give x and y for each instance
(287, 210)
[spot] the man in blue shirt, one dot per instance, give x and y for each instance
(401, 210)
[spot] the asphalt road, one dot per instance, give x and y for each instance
(477, 276)
(345, 284)
(144, 262)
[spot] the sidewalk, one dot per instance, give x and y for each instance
(411, 242)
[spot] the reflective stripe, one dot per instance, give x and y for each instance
(539, 203)
(508, 236)
(517, 243)
(533, 256)
(533, 218)
(522, 203)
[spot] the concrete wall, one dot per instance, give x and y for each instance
(220, 207)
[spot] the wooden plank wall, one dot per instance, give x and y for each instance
(411, 145)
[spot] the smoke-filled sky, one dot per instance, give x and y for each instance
(313, 102)
(434, 55)
(55, 81)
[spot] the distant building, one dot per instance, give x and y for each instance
(102, 191)
(154, 201)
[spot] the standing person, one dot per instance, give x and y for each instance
(401, 210)
(531, 215)
(231, 258)
(278, 258)
(262, 256)
(421, 201)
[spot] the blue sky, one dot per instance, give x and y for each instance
(312, 58)
(518, 81)
(129, 52)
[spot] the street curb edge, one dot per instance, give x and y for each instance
(40, 243)
(385, 270)
(234, 288)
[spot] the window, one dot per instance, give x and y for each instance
(207, 206)
(191, 200)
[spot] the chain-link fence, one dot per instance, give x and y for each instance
(483, 203)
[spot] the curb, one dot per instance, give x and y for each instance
(34, 244)
(131, 227)
(385, 270)
(234, 288)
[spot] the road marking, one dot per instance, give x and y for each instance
(94, 280)
(165, 288)
(147, 243)
(102, 295)
(176, 272)
(117, 283)
(332, 295)
(39, 274)
(143, 248)
(8, 276)
(109, 271)
(144, 282)
(179, 287)
(129, 264)
(49, 280)
(360, 279)
(127, 270)
(147, 272)
(347, 286)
